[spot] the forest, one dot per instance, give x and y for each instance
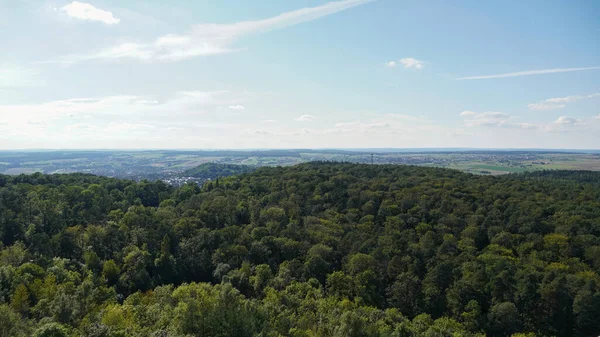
(316, 249)
(211, 171)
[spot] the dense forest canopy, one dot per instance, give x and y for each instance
(211, 171)
(318, 249)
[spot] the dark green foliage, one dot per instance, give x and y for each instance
(212, 171)
(317, 249)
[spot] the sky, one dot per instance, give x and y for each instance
(149, 74)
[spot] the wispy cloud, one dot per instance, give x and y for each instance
(306, 118)
(85, 11)
(237, 107)
(545, 106)
(527, 73)
(559, 102)
(383, 126)
(493, 119)
(210, 39)
(407, 63)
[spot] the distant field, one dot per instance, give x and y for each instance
(169, 165)
(498, 168)
(55, 161)
(22, 170)
(196, 162)
(588, 164)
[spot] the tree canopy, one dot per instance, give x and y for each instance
(212, 171)
(317, 249)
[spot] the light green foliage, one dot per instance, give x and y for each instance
(11, 324)
(13, 255)
(111, 271)
(51, 330)
(20, 299)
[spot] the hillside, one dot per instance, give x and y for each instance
(317, 249)
(211, 171)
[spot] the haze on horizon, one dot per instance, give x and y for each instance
(108, 74)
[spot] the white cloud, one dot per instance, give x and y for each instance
(85, 11)
(237, 107)
(360, 127)
(545, 106)
(384, 127)
(468, 113)
(306, 118)
(500, 120)
(565, 124)
(268, 121)
(184, 108)
(124, 121)
(527, 73)
(526, 125)
(210, 39)
(485, 115)
(493, 119)
(559, 102)
(377, 125)
(564, 120)
(567, 99)
(410, 62)
(407, 63)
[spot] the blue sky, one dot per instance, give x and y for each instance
(299, 74)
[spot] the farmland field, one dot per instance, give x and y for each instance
(170, 165)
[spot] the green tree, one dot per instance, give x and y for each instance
(51, 330)
(11, 324)
(503, 319)
(20, 299)
(111, 272)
